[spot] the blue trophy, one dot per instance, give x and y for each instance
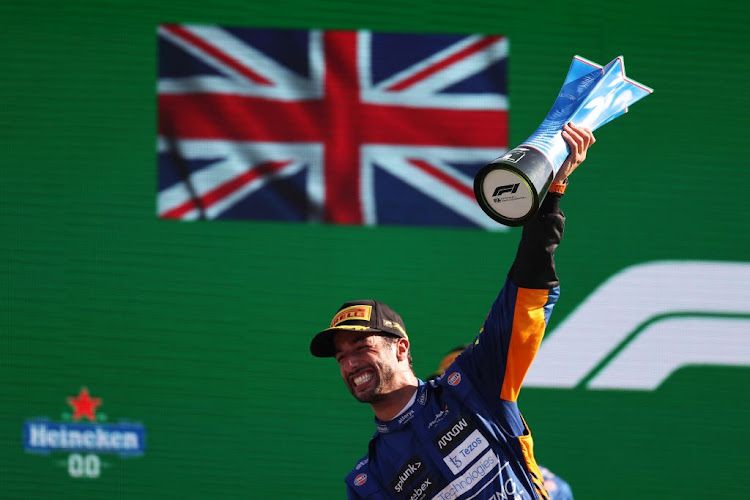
(511, 188)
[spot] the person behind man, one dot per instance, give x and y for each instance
(461, 436)
(557, 487)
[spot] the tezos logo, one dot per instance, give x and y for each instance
(454, 379)
(84, 441)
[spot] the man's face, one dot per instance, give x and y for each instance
(367, 363)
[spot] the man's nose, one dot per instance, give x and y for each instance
(351, 363)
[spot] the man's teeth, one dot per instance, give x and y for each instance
(361, 379)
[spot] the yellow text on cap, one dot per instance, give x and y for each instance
(352, 312)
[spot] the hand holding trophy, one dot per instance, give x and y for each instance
(511, 188)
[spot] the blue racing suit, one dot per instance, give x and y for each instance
(463, 437)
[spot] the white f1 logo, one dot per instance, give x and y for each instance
(646, 322)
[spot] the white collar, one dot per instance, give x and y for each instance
(408, 405)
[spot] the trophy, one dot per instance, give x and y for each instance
(511, 188)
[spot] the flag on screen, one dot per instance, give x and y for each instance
(345, 127)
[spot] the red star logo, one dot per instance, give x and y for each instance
(84, 405)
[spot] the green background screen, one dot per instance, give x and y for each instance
(200, 330)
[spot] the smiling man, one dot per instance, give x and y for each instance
(374, 358)
(460, 435)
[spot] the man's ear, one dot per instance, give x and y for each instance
(402, 349)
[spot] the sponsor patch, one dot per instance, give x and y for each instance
(362, 313)
(362, 463)
(454, 379)
(471, 477)
(405, 417)
(407, 474)
(456, 432)
(466, 452)
(439, 417)
(360, 479)
(423, 489)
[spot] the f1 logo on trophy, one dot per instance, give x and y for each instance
(511, 188)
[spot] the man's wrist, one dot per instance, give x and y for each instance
(551, 204)
(559, 186)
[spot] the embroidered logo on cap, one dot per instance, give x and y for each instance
(393, 324)
(352, 312)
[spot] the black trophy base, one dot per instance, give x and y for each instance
(511, 188)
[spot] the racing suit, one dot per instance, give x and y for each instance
(463, 436)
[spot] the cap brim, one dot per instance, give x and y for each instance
(321, 345)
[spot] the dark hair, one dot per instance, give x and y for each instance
(392, 340)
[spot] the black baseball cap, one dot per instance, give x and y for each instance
(361, 316)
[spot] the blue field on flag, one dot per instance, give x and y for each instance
(343, 127)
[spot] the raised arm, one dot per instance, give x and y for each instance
(502, 353)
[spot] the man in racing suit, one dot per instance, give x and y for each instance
(557, 488)
(460, 436)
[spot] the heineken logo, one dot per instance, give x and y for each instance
(645, 323)
(85, 435)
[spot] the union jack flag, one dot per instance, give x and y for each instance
(346, 127)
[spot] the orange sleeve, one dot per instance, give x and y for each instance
(529, 323)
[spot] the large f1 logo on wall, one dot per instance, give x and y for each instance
(645, 323)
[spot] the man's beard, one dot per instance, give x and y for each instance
(382, 377)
